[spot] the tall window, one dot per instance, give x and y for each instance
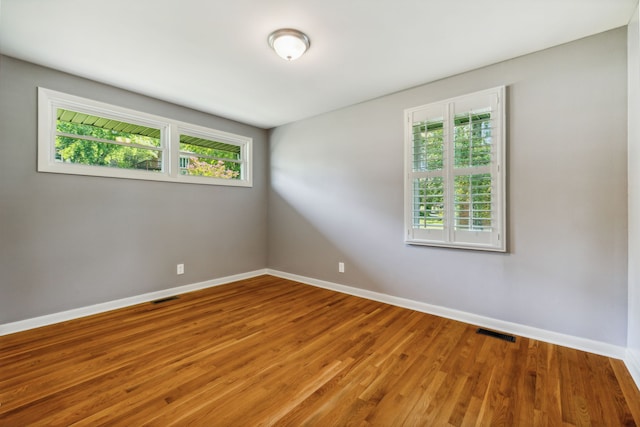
(454, 180)
(84, 137)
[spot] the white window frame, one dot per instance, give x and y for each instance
(494, 240)
(170, 130)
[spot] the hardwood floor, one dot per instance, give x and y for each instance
(268, 351)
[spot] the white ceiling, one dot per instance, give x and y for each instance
(212, 55)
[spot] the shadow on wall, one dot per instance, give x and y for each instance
(313, 233)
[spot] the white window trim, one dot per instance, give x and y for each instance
(447, 237)
(49, 101)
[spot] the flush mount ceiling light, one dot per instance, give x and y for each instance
(289, 44)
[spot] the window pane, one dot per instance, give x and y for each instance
(80, 124)
(209, 148)
(207, 157)
(473, 202)
(472, 139)
(428, 203)
(199, 166)
(428, 145)
(88, 152)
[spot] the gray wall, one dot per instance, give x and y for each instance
(337, 186)
(633, 341)
(71, 241)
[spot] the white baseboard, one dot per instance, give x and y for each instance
(49, 319)
(632, 360)
(578, 343)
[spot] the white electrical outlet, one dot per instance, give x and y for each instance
(180, 269)
(341, 267)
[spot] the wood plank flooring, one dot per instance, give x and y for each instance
(268, 351)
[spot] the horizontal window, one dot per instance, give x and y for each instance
(84, 137)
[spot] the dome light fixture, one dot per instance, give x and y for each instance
(288, 43)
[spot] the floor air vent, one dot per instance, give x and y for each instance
(167, 299)
(494, 334)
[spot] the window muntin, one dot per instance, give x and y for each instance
(455, 167)
(85, 137)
